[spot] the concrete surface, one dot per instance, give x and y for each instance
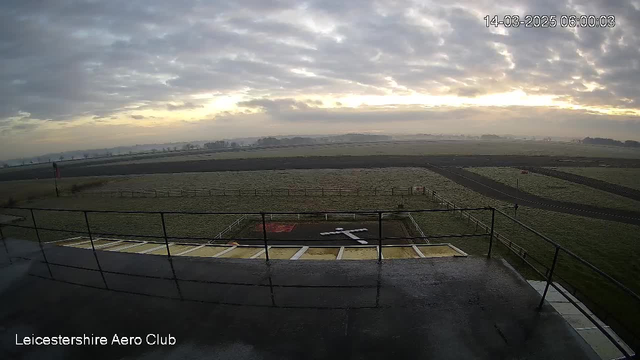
(588, 330)
(441, 308)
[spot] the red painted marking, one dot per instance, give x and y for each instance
(276, 227)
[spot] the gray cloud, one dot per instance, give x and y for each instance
(69, 58)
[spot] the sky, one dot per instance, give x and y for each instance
(91, 74)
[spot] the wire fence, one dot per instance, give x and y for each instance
(548, 272)
(210, 192)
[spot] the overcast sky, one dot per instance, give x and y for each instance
(88, 74)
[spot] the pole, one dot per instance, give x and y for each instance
(55, 177)
(546, 288)
(379, 236)
(4, 242)
(493, 219)
(86, 220)
(44, 256)
(264, 237)
(164, 231)
(95, 255)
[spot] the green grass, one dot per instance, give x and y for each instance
(24, 190)
(556, 189)
(620, 176)
(273, 179)
(611, 246)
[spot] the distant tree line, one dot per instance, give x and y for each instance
(490, 137)
(611, 142)
(271, 141)
(298, 140)
(221, 144)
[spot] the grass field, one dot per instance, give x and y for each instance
(22, 190)
(620, 176)
(608, 245)
(443, 147)
(556, 189)
(270, 179)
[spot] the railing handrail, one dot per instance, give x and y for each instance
(388, 211)
(380, 237)
(585, 262)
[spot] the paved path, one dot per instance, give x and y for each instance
(500, 191)
(594, 183)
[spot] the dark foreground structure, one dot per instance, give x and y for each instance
(447, 308)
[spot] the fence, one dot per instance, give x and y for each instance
(209, 192)
(632, 337)
(549, 275)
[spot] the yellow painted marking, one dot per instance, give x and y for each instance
(242, 253)
(115, 244)
(320, 254)
(280, 253)
(438, 251)
(70, 242)
(363, 253)
(139, 248)
(175, 249)
(207, 251)
(95, 243)
(397, 252)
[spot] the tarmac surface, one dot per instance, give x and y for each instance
(500, 191)
(594, 183)
(447, 308)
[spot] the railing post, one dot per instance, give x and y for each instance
(264, 237)
(95, 255)
(546, 288)
(4, 242)
(379, 236)
(44, 256)
(493, 219)
(86, 220)
(164, 232)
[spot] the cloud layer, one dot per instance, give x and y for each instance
(70, 63)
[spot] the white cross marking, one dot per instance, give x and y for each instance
(349, 233)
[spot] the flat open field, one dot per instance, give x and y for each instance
(441, 147)
(273, 179)
(611, 246)
(557, 189)
(620, 176)
(344, 155)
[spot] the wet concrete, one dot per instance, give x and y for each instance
(443, 308)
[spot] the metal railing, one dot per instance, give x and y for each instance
(210, 192)
(379, 214)
(631, 336)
